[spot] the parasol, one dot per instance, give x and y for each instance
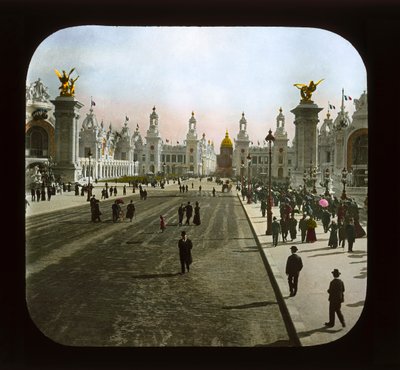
(119, 201)
(323, 202)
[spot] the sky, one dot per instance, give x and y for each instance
(215, 72)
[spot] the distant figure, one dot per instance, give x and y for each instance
(311, 226)
(115, 211)
(213, 192)
(263, 207)
(189, 213)
(130, 210)
(276, 229)
(124, 190)
(292, 223)
(303, 228)
(185, 255)
(181, 212)
(294, 264)
(333, 236)
(336, 298)
(350, 234)
(162, 224)
(115, 191)
(196, 218)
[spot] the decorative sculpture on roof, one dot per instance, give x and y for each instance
(306, 91)
(67, 83)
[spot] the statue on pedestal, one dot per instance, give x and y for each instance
(306, 91)
(67, 84)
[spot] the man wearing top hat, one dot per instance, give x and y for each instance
(294, 264)
(336, 297)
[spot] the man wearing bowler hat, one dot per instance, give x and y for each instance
(185, 246)
(294, 264)
(336, 297)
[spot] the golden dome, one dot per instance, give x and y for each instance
(227, 142)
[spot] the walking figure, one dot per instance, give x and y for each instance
(350, 234)
(181, 212)
(336, 298)
(333, 236)
(196, 218)
(162, 224)
(185, 255)
(130, 210)
(189, 212)
(115, 211)
(213, 192)
(276, 229)
(294, 264)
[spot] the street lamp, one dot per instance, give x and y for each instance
(344, 180)
(241, 172)
(270, 138)
(89, 193)
(327, 179)
(249, 180)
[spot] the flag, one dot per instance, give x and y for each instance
(126, 118)
(331, 106)
(137, 126)
(258, 142)
(166, 140)
(251, 143)
(92, 103)
(177, 142)
(346, 97)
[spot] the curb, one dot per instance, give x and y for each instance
(291, 316)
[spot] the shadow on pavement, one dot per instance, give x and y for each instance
(249, 305)
(357, 304)
(154, 276)
(322, 329)
(278, 343)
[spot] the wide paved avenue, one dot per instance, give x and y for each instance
(118, 284)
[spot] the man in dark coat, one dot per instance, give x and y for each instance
(350, 234)
(130, 210)
(276, 228)
(115, 211)
(185, 255)
(303, 228)
(326, 219)
(294, 264)
(181, 212)
(263, 207)
(336, 298)
(189, 212)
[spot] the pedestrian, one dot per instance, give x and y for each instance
(162, 224)
(341, 233)
(187, 188)
(311, 226)
(37, 195)
(124, 190)
(333, 236)
(115, 191)
(189, 212)
(200, 188)
(213, 192)
(181, 212)
(292, 222)
(336, 298)
(49, 192)
(185, 255)
(325, 218)
(294, 264)
(92, 207)
(82, 191)
(43, 192)
(263, 207)
(130, 210)
(350, 234)
(111, 190)
(276, 229)
(196, 218)
(33, 194)
(103, 194)
(115, 211)
(284, 228)
(96, 211)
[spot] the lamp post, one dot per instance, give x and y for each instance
(163, 166)
(344, 180)
(327, 179)
(270, 138)
(89, 192)
(249, 180)
(241, 172)
(305, 181)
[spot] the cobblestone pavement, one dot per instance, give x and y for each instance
(117, 284)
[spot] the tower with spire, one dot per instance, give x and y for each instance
(242, 144)
(153, 146)
(192, 148)
(279, 167)
(224, 159)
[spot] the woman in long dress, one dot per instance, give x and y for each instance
(196, 218)
(311, 225)
(333, 236)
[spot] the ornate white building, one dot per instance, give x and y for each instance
(108, 153)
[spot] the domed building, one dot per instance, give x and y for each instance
(224, 159)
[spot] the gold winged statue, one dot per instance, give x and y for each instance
(306, 91)
(67, 84)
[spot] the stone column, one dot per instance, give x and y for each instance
(67, 137)
(306, 120)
